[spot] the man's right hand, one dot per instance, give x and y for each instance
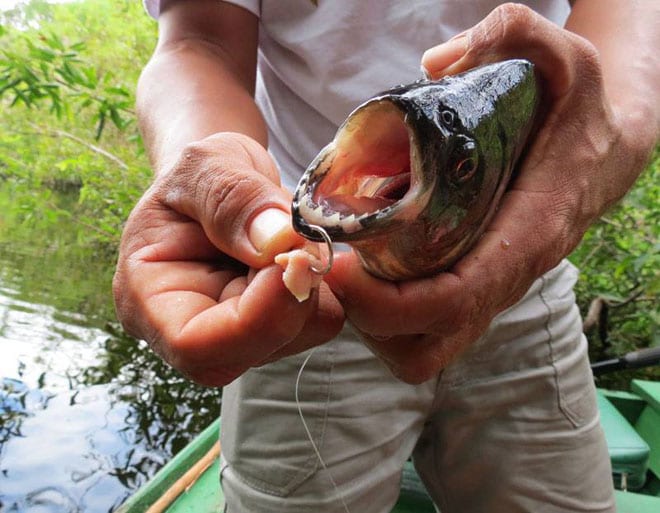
(195, 276)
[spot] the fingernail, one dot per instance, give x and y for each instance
(267, 227)
(439, 57)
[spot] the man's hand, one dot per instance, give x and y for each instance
(195, 276)
(584, 158)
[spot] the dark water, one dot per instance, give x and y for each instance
(87, 414)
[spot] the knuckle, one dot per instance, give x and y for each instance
(579, 68)
(231, 196)
(512, 18)
(513, 14)
(182, 354)
(197, 159)
(122, 304)
(455, 315)
(212, 377)
(215, 183)
(202, 163)
(505, 27)
(197, 151)
(206, 364)
(586, 61)
(585, 51)
(127, 300)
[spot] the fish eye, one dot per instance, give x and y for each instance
(465, 170)
(448, 118)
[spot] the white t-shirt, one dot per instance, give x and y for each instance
(319, 60)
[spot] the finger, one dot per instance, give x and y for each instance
(415, 358)
(155, 234)
(385, 308)
(526, 239)
(214, 341)
(528, 236)
(515, 31)
(323, 325)
(162, 285)
(227, 184)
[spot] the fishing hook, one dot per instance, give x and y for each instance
(325, 270)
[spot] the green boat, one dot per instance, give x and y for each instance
(189, 483)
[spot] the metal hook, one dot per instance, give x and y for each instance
(327, 240)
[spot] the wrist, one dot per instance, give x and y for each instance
(638, 120)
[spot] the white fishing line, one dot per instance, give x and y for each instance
(309, 434)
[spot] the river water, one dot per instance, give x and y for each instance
(87, 414)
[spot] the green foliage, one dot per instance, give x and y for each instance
(49, 69)
(69, 147)
(620, 263)
(67, 76)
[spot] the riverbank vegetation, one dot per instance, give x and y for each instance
(70, 148)
(67, 79)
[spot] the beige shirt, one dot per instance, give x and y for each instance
(319, 59)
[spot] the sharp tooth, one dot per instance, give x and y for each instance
(317, 213)
(349, 224)
(305, 210)
(334, 219)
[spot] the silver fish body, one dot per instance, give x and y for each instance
(415, 174)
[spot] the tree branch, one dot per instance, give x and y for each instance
(48, 132)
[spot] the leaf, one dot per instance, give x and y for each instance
(118, 90)
(21, 96)
(54, 41)
(10, 85)
(653, 285)
(100, 125)
(43, 54)
(91, 77)
(116, 118)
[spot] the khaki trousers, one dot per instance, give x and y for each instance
(511, 426)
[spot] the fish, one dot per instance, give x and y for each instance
(415, 174)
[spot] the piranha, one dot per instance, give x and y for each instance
(414, 175)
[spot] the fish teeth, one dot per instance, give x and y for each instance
(317, 214)
(324, 216)
(333, 220)
(350, 224)
(305, 210)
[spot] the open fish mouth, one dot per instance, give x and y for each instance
(368, 173)
(415, 174)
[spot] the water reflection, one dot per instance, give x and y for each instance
(87, 414)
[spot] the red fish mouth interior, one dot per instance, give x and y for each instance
(370, 166)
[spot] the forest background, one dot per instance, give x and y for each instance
(70, 149)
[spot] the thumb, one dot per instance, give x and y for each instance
(229, 185)
(516, 31)
(438, 58)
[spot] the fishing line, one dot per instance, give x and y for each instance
(309, 434)
(321, 271)
(331, 256)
